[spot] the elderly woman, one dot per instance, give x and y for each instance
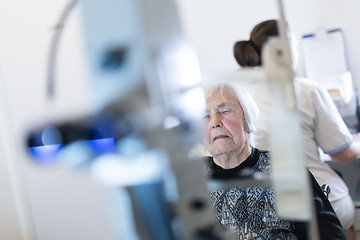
(229, 125)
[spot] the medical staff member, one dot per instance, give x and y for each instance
(321, 124)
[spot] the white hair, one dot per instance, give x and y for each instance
(247, 103)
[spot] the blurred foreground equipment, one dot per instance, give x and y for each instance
(147, 99)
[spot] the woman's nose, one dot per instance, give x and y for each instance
(216, 122)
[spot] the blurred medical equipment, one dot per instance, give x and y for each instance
(287, 154)
(147, 104)
(52, 58)
(325, 62)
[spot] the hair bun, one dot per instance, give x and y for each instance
(246, 54)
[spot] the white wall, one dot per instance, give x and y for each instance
(66, 204)
(213, 26)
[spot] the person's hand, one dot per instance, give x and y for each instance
(356, 137)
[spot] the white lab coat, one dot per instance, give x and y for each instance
(321, 127)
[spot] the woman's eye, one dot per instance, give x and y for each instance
(224, 112)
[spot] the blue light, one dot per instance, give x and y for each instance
(101, 146)
(47, 154)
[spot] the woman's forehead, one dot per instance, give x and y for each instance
(224, 95)
(220, 99)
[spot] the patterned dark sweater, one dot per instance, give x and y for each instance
(250, 211)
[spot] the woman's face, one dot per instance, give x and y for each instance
(224, 124)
